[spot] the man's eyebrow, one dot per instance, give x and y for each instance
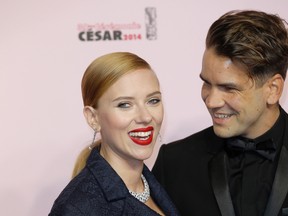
(228, 84)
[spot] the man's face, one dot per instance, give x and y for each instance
(237, 106)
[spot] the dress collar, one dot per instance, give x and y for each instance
(113, 186)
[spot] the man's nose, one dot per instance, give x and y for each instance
(214, 99)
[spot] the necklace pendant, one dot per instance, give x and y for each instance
(145, 195)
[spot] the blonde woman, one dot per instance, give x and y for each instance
(122, 102)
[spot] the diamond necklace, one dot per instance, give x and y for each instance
(143, 196)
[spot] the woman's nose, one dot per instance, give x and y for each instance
(143, 115)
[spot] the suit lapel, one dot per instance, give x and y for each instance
(280, 185)
(220, 186)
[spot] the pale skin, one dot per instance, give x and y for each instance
(133, 102)
(238, 106)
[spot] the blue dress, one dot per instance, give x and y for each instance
(99, 191)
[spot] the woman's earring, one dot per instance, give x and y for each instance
(159, 137)
(94, 137)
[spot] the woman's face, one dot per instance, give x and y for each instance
(129, 115)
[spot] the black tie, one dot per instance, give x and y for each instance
(264, 148)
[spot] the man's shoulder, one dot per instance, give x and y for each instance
(198, 136)
(196, 140)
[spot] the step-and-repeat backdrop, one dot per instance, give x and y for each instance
(45, 46)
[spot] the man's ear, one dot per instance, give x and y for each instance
(91, 117)
(275, 85)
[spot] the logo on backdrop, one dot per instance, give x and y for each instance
(150, 21)
(145, 29)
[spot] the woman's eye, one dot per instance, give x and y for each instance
(123, 105)
(154, 101)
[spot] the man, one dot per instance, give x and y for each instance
(211, 172)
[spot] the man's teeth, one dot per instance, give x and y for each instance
(222, 115)
(140, 134)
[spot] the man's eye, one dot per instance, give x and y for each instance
(229, 88)
(154, 101)
(123, 105)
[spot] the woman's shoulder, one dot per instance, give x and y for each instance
(78, 192)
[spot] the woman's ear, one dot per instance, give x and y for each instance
(91, 117)
(276, 85)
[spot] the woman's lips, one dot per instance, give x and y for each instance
(142, 136)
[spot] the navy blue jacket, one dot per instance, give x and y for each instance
(99, 191)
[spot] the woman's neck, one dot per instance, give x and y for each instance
(128, 169)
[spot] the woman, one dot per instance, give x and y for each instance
(122, 101)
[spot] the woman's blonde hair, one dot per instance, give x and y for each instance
(104, 71)
(82, 158)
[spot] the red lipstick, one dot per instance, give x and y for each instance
(142, 136)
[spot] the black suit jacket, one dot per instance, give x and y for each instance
(192, 171)
(99, 191)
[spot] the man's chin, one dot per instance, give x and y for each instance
(223, 132)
